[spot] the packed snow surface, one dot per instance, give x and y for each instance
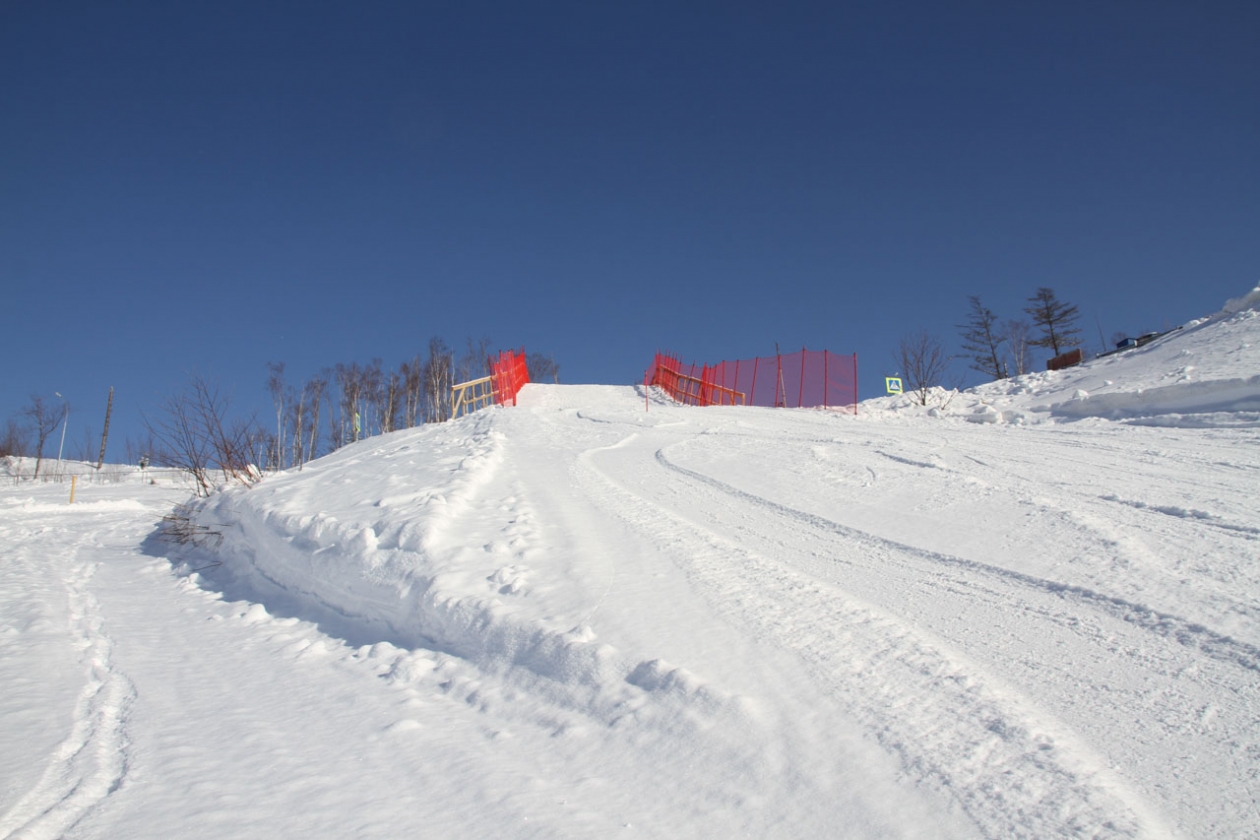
(1027, 610)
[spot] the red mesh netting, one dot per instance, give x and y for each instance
(805, 379)
(509, 373)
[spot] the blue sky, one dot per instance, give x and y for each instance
(212, 186)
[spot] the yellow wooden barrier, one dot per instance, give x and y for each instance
(471, 395)
(689, 390)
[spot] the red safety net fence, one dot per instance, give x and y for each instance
(509, 374)
(806, 379)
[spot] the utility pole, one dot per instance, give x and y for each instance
(64, 417)
(105, 434)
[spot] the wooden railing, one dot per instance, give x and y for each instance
(508, 373)
(692, 390)
(472, 395)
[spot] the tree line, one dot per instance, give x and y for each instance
(995, 348)
(196, 429)
(35, 422)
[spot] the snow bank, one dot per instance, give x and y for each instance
(1200, 375)
(384, 555)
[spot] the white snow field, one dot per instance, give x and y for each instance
(1033, 611)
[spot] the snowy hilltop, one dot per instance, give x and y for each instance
(1030, 609)
(1203, 374)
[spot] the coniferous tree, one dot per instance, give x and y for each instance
(1056, 319)
(982, 340)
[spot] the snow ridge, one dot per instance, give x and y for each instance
(405, 580)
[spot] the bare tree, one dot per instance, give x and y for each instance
(14, 440)
(135, 450)
(982, 340)
(411, 375)
(923, 361)
(44, 418)
(542, 368)
(180, 440)
(317, 391)
(438, 379)
(1056, 319)
(296, 419)
(193, 432)
(475, 363)
(350, 381)
(1017, 341)
(391, 396)
(372, 398)
(279, 392)
(86, 450)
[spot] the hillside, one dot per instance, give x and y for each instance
(1028, 610)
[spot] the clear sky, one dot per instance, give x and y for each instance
(212, 186)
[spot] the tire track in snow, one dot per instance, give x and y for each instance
(1188, 633)
(91, 762)
(954, 729)
(1193, 563)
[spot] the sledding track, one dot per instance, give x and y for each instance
(971, 670)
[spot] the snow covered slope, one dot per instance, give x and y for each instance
(1204, 374)
(1031, 612)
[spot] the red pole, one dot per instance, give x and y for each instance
(778, 380)
(752, 391)
(826, 381)
(800, 395)
(855, 388)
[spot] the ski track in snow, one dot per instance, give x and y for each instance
(1012, 774)
(1179, 629)
(1035, 598)
(91, 762)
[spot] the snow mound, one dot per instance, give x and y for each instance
(1200, 375)
(1219, 399)
(417, 540)
(1249, 301)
